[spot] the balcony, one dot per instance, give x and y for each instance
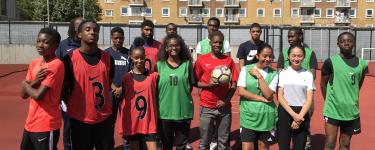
(307, 4)
(230, 19)
(342, 20)
(136, 18)
(343, 4)
(195, 3)
(232, 3)
(308, 19)
(136, 3)
(195, 19)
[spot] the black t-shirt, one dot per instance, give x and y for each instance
(248, 50)
(313, 61)
(327, 68)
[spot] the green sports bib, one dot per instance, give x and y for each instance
(206, 47)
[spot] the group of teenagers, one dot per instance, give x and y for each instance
(150, 86)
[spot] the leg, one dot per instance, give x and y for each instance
(345, 141)
(26, 143)
(133, 144)
(347, 130)
(81, 135)
(263, 145)
(206, 120)
(247, 145)
(299, 138)
(182, 134)
(151, 145)
(66, 131)
(46, 140)
(223, 123)
(331, 135)
(308, 142)
(167, 133)
(102, 136)
(284, 130)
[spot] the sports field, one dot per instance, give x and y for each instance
(13, 111)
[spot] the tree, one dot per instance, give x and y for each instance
(60, 10)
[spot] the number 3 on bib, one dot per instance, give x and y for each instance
(99, 98)
(141, 106)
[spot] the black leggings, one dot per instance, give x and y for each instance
(286, 133)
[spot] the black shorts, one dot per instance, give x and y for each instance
(248, 135)
(40, 140)
(349, 127)
(142, 137)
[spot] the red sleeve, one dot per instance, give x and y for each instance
(234, 71)
(198, 70)
(55, 73)
(28, 74)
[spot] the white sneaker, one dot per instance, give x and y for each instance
(213, 145)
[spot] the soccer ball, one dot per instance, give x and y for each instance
(221, 75)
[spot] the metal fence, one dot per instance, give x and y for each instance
(323, 40)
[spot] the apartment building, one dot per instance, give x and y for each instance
(359, 13)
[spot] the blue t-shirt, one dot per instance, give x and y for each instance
(66, 46)
(248, 50)
(122, 63)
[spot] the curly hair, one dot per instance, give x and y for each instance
(184, 53)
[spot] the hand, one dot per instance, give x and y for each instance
(41, 75)
(255, 73)
(298, 118)
(263, 99)
(220, 103)
(117, 92)
(212, 83)
(294, 125)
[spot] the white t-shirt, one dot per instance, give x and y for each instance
(226, 47)
(264, 72)
(295, 85)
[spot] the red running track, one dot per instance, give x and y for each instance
(13, 111)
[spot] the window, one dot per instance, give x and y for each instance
(260, 0)
(183, 11)
(294, 12)
(369, 13)
(242, 12)
(165, 12)
(317, 0)
(295, 0)
(276, 12)
(331, 0)
(206, 12)
(260, 12)
(219, 12)
(109, 13)
(369, 0)
(124, 11)
(329, 13)
(369, 25)
(317, 13)
(147, 11)
(136, 11)
(353, 0)
(108, 1)
(353, 13)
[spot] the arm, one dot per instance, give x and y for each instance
(250, 96)
(280, 62)
(363, 77)
(313, 64)
(241, 62)
(306, 106)
(327, 72)
(40, 76)
(37, 93)
(266, 91)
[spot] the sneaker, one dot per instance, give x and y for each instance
(213, 145)
(126, 145)
(188, 146)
